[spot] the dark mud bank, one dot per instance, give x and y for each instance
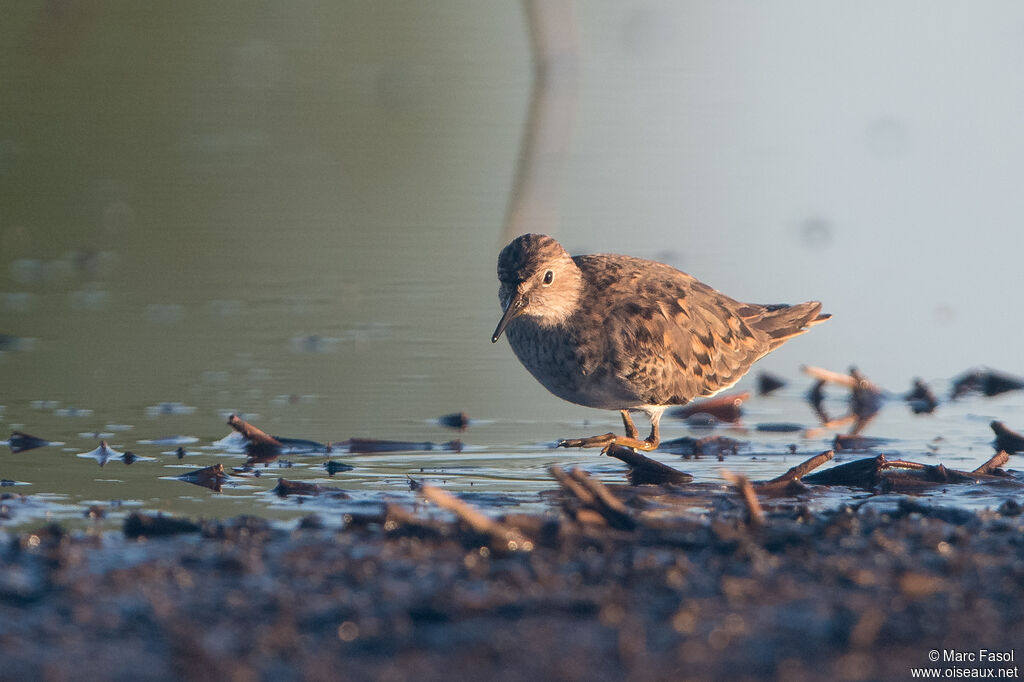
(858, 593)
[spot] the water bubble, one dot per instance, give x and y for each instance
(225, 308)
(944, 314)
(257, 65)
(15, 238)
(17, 302)
(887, 137)
(164, 313)
(88, 300)
(816, 233)
(118, 217)
(26, 271)
(647, 31)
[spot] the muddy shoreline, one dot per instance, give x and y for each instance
(863, 592)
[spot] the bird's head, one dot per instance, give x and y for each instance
(537, 278)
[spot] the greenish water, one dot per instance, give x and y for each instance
(294, 214)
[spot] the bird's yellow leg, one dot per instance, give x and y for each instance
(607, 440)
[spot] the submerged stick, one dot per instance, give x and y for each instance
(568, 483)
(597, 502)
(746, 490)
(609, 506)
(502, 537)
(643, 469)
(804, 468)
(252, 434)
(989, 467)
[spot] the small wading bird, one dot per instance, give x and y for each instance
(622, 333)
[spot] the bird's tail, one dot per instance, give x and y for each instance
(782, 322)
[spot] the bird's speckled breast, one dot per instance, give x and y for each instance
(563, 364)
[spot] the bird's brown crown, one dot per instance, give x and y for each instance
(525, 255)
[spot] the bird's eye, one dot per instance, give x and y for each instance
(548, 276)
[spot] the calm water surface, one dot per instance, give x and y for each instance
(294, 216)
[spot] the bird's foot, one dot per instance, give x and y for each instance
(603, 442)
(606, 441)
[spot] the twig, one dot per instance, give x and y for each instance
(746, 490)
(804, 468)
(608, 505)
(989, 467)
(828, 375)
(252, 434)
(643, 469)
(502, 536)
(567, 482)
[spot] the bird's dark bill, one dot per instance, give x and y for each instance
(515, 308)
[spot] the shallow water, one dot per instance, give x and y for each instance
(295, 217)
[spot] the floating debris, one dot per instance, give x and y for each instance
(854, 443)
(162, 409)
(816, 398)
(881, 474)
(262, 447)
(779, 427)
(139, 525)
(212, 477)
(457, 420)
(105, 453)
(333, 467)
(75, 412)
(985, 381)
(169, 440)
(723, 408)
(367, 446)
(768, 383)
(95, 435)
(755, 515)
(314, 343)
(1007, 440)
(790, 483)
(20, 442)
(921, 398)
(589, 502)
(865, 398)
(284, 488)
(709, 446)
(644, 470)
(19, 344)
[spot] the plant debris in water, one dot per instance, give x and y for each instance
(611, 588)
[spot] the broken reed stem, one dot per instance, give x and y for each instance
(598, 503)
(998, 460)
(830, 376)
(601, 492)
(570, 484)
(476, 520)
(804, 468)
(746, 491)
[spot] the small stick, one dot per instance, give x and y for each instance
(804, 468)
(746, 491)
(998, 460)
(830, 376)
(476, 520)
(503, 538)
(567, 482)
(251, 433)
(601, 492)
